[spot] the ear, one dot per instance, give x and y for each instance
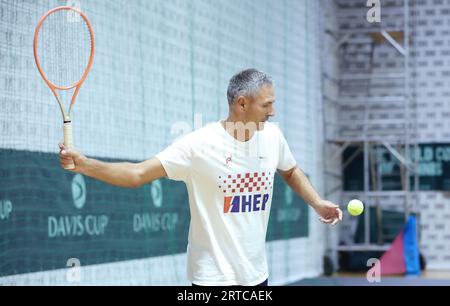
(241, 103)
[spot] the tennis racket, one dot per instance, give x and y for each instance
(64, 51)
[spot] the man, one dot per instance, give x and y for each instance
(228, 168)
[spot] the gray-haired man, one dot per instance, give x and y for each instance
(228, 168)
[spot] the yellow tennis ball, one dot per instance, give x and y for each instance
(355, 207)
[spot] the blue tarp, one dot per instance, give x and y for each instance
(411, 247)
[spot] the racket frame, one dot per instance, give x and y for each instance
(68, 139)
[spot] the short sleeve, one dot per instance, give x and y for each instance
(176, 159)
(286, 160)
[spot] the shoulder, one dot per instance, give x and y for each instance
(197, 136)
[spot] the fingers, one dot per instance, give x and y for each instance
(65, 160)
(63, 151)
(326, 221)
(332, 221)
(69, 153)
(333, 215)
(65, 156)
(65, 164)
(339, 214)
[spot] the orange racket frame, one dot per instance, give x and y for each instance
(53, 87)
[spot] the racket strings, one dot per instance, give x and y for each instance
(64, 47)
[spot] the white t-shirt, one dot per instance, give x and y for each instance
(230, 187)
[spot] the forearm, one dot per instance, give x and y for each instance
(118, 174)
(299, 182)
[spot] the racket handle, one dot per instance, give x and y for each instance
(68, 142)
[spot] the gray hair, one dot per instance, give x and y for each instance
(247, 83)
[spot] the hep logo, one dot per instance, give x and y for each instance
(245, 203)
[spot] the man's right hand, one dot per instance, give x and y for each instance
(71, 156)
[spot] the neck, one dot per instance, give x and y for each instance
(240, 129)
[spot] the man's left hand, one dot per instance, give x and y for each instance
(329, 212)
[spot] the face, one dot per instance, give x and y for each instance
(261, 107)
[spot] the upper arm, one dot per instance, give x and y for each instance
(288, 173)
(176, 159)
(150, 170)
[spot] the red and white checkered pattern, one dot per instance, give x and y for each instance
(246, 183)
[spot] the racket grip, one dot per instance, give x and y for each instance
(68, 142)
